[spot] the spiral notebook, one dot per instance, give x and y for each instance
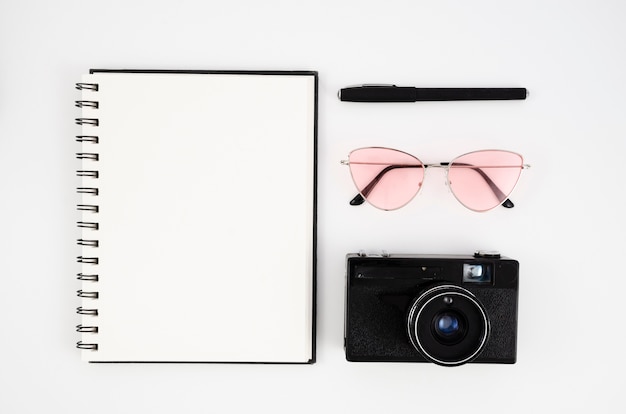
(197, 216)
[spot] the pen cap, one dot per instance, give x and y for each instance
(388, 93)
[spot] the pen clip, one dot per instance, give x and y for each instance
(377, 85)
(371, 85)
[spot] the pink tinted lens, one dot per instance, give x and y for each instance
(482, 180)
(386, 178)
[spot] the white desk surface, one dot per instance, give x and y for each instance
(566, 229)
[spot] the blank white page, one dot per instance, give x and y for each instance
(206, 217)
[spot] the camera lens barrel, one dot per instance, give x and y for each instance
(448, 325)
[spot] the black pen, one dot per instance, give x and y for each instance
(393, 93)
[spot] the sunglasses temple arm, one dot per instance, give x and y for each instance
(359, 199)
(494, 188)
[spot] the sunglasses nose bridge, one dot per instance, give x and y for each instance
(441, 165)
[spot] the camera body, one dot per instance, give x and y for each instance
(445, 309)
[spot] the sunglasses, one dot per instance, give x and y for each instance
(388, 179)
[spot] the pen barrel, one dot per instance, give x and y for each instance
(469, 94)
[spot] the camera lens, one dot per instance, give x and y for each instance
(448, 325)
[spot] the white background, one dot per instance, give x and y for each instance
(566, 229)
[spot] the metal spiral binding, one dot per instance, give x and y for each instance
(87, 225)
(88, 121)
(88, 260)
(82, 294)
(84, 311)
(87, 173)
(87, 190)
(90, 156)
(81, 345)
(90, 243)
(88, 207)
(90, 278)
(88, 329)
(90, 86)
(87, 104)
(87, 138)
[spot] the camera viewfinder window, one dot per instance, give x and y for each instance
(477, 273)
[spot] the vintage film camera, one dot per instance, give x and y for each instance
(431, 308)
